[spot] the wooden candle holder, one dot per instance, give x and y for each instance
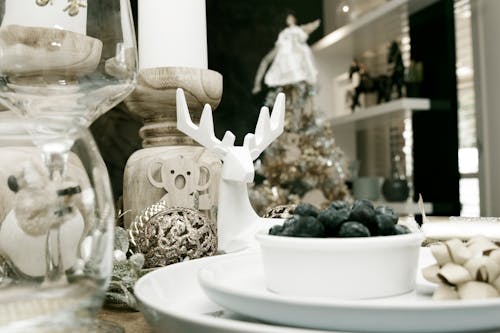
(171, 167)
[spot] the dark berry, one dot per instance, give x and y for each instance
(289, 226)
(290, 231)
(362, 202)
(353, 229)
(276, 230)
(290, 221)
(308, 226)
(401, 229)
(332, 219)
(340, 220)
(338, 205)
(385, 224)
(364, 214)
(305, 209)
(384, 210)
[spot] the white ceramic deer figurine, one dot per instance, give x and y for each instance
(237, 221)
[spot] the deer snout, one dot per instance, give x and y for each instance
(238, 166)
(246, 177)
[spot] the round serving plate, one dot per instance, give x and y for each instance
(173, 300)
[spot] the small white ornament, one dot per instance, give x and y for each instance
(291, 60)
(35, 210)
(41, 205)
(27, 253)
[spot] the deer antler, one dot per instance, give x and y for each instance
(204, 133)
(267, 130)
(268, 127)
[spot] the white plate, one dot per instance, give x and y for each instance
(237, 283)
(172, 301)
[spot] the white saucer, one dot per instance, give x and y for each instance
(172, 300)
(237, 283)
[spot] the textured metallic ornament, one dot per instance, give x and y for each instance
(280, 212)
(169, 235)
(147, 213)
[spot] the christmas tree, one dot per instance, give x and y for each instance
(304, 163)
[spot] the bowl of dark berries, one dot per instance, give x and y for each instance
(344, 251)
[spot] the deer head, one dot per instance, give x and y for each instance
(238, 160)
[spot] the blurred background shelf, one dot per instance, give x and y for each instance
(421, 129)
(406, 208)
(402, 105)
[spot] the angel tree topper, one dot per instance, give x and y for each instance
(237, 221)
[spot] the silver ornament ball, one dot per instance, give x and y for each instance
(172, 235)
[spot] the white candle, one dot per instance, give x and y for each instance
(28, 13)
(172, 33)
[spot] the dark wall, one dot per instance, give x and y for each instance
(436, 174)
(240, 33)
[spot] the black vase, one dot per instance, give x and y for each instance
(396, 190)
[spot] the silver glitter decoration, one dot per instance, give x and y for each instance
(280, 212)
(169, 235)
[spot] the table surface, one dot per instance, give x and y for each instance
(132, 322)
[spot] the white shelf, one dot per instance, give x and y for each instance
(406, 208)
(399, 105)
(383, 23)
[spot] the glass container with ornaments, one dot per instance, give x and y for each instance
(62, 65)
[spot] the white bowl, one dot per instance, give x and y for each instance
(347, 268)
